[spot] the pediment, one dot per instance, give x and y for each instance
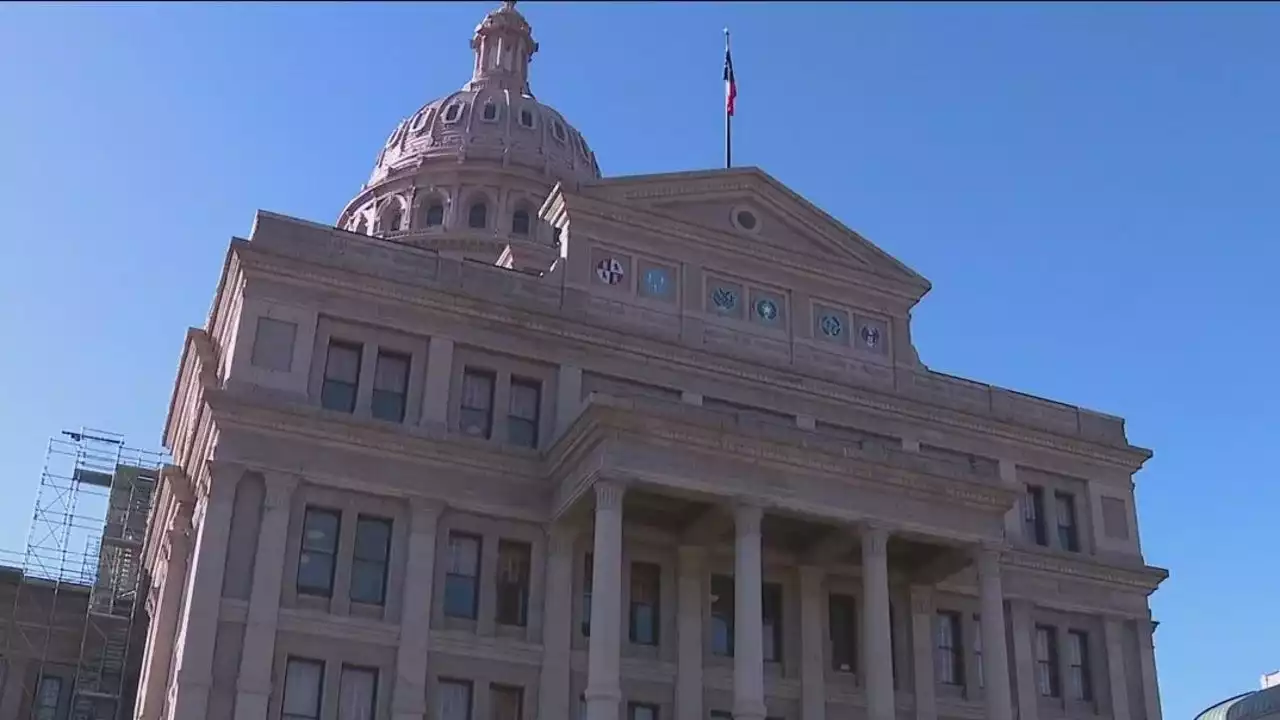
(748, 206)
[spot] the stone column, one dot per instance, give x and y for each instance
(198, 626)
(162, 633)
(1113, 629)
(813, 645)
(1024, 659)
(922, 614)
(253, 685)
(557, 627)
(604, 650)
(409, 696)
(435, 391)
(1147, 663)
(748, 615)
(877, 644)
(690, 602)
(995, 653)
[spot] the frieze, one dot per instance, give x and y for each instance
(681, 356)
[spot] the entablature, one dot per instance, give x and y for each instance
(684, 449)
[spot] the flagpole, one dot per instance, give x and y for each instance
(728, 116)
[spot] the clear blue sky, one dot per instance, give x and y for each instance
(1091, 188)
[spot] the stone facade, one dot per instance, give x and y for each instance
(663, 450)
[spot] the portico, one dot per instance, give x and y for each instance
(868, 546)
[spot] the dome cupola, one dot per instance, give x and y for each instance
(479, 161)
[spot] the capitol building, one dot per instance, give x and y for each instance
(512, 440)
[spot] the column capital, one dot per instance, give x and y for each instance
(874, 538)
(609, 494)
(222, 478)
(279, 489)
(747, 517)
(922, 599)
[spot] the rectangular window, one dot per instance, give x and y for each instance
(842, 626)
(977, 652)
(318, 558)
(1068, 538)
(513, 583)
(771, 614)
(1047, 677)
(358, 693)
(507, 702)
(1033, 515)
(390, 386)
(587, 572)
(48, 698)
(948, 654)
(1078, 656)
(642, 711)
(722, 607)
(341, 376)
(303, 689)
(453, 700)
(475, 419)
(522, 416)
(369, 561)
(462, 577)
(646, 579)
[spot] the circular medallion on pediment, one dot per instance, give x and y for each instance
(610, 271)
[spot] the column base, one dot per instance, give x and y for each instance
(410, 703)
(603, 704)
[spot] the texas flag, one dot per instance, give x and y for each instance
(730, 85)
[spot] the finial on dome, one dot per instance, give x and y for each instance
(503, 46)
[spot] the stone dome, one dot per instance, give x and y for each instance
(1261, 704)
(467, 173)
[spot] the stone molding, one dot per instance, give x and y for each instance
(277, 268)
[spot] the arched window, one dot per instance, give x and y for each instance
(435, 214)
(526, 118)
(520, 222)
(452, 113)
(478, 215)
(490, 111)
(389, 220)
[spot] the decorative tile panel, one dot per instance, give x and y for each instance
(657, 281)
(768, 309)
(725, 298)
(872, 335)
(830, 324)
(610, 269)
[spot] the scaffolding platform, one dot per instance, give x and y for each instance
(79, 601)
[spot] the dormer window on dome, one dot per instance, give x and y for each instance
(558, 129)
(526, 117)
(490, 112)
(452, 114)
(434, 216)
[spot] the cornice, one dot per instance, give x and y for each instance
(1145, 578)
(313, 424)
(449, 302)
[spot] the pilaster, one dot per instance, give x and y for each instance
(408, 700)
(877, 660)
(557, 629)
(748, 621)
(1024, 659)
(604, 650)
(1117, 679)
(435, 392)
(922, 614)
(995, 653)
(813, 666)
(690, 600)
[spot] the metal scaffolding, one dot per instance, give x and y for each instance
(80, 596)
